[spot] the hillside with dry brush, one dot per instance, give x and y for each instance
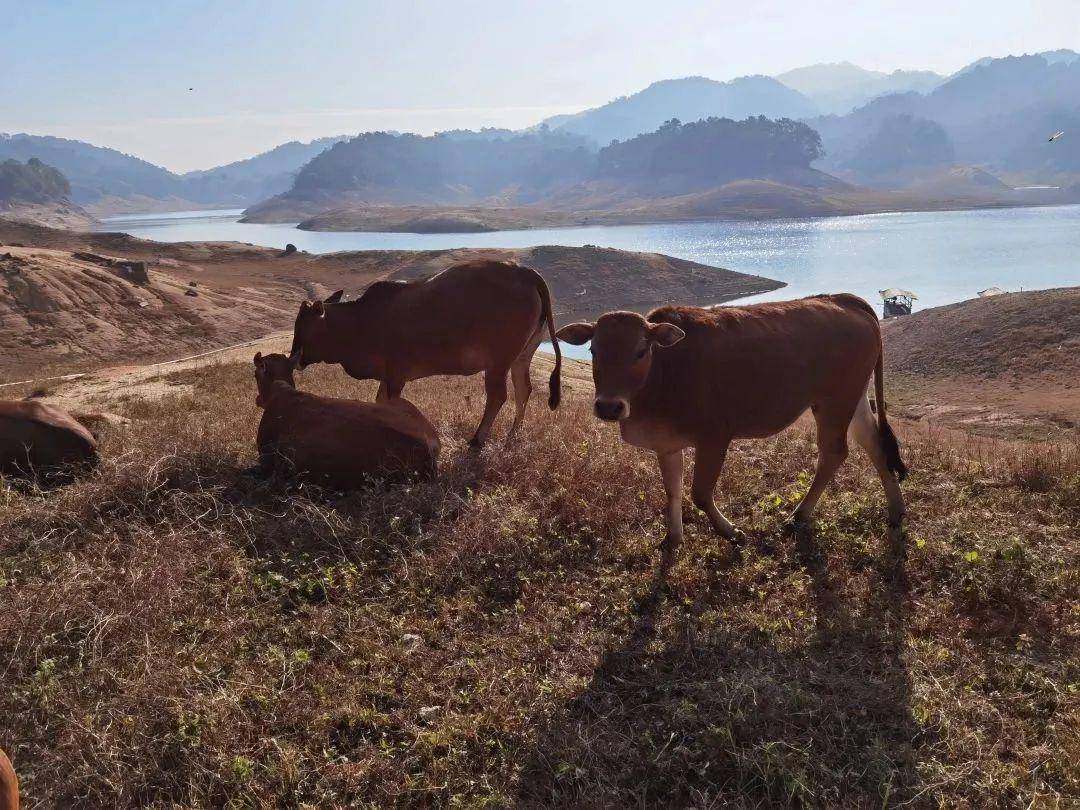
(175, 632)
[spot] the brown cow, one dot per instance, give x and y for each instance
(342, 441)
(9, 784)
(40, 439)
(482, 315)
(691, 377)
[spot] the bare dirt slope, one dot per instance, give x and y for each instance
(60, 312)
(60, 214)
(1008, 364)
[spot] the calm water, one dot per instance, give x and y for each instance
(943, 257)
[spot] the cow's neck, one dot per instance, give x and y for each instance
(353, 339)
(277, 393)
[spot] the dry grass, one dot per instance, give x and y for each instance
(175, 632)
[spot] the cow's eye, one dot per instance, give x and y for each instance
(642, 352)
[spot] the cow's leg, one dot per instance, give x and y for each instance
(832, 422)
(522, 379)
(708, 464)
(864, 430)
(519, 373)
(495, 387)
(389, 389)
(671, 470)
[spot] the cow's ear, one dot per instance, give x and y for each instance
(318, 308)
(258, 360)
(666, 334)
(576, 334)
(334, 297)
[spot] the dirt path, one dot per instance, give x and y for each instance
(99, 391)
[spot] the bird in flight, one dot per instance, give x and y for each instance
(1055, 136)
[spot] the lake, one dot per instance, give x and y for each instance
(943, 257)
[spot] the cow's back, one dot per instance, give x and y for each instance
(37, 437)
(469, 317)
(752, 370)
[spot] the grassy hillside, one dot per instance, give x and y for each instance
(1020, 334)
(173, 631)
(1005, 365)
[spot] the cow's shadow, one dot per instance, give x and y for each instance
(681, 717)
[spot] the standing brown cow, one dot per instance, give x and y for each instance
(478, 316)
(692, 377)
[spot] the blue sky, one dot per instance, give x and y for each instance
(117, 73)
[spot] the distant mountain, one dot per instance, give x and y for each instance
(98, 174)
(690, 99)
(840, 87)
(1063, 55)
(93, 171)
(997, 115)
(256, 178)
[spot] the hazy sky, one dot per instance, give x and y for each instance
(117, 73)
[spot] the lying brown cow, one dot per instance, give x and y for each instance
(483, 315)
(40, 439)
(341, 441)
(9, 784)
(691, 377)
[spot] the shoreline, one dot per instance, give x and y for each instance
(104, 225)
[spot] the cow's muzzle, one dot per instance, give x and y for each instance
(611, 410)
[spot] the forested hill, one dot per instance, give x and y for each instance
(32, 182)
(712, 152)
(446, 167)
(403, 169)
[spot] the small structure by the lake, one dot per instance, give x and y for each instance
(897, 302)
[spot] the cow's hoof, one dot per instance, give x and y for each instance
(737, 538)
(794, 527)
(668, 546)
(475, 444)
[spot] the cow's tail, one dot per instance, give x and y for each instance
(555, 381)
(888, 439)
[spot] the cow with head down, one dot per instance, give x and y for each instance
(481, 316)
(340, 441)
(691, 377)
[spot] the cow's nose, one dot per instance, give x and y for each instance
(610, 410)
